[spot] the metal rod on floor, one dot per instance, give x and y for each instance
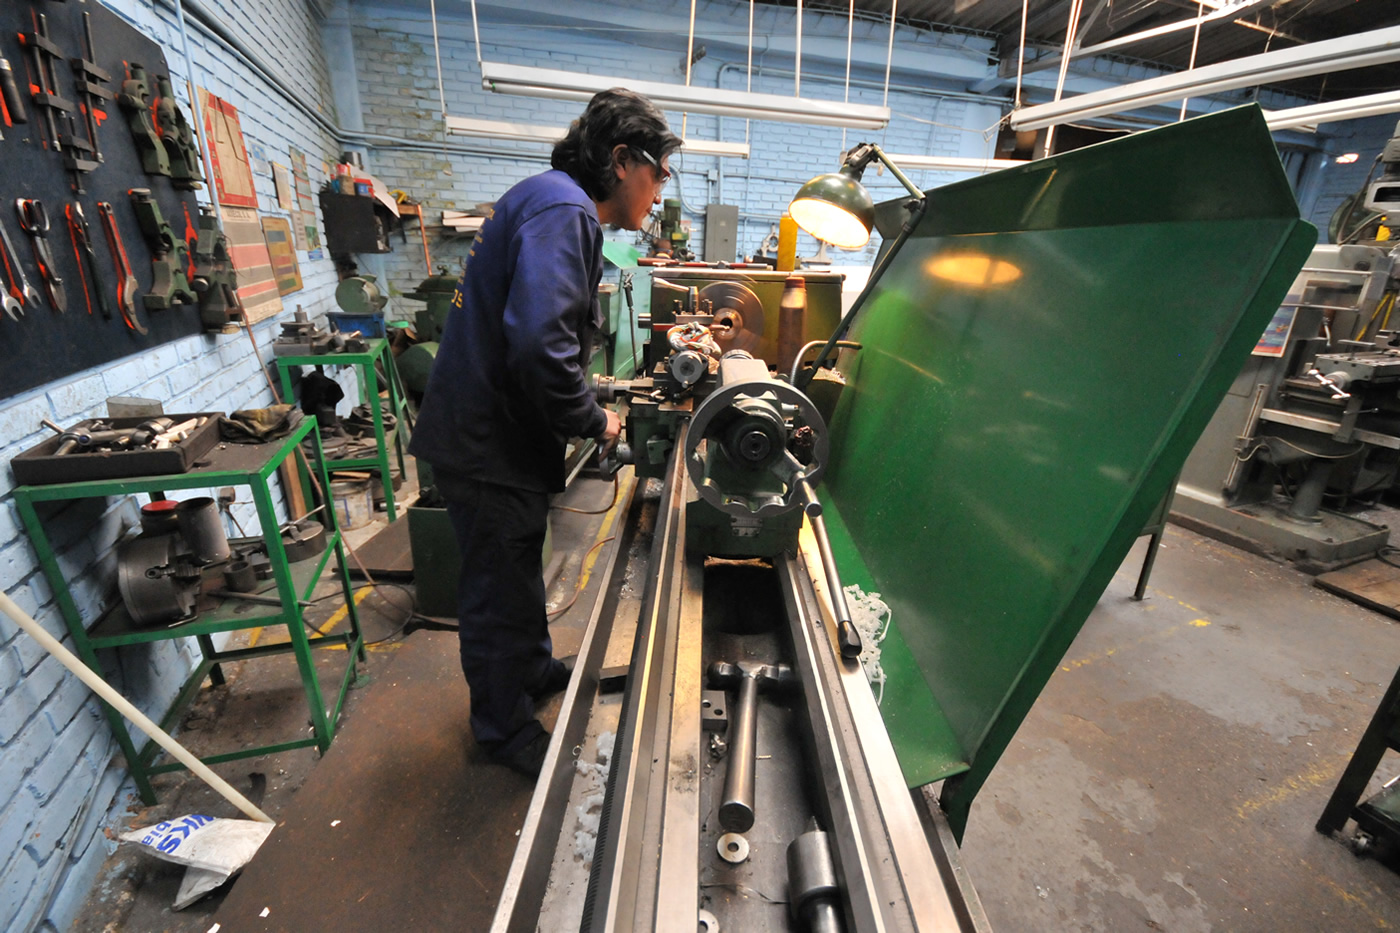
(109, 695)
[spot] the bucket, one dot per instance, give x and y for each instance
(351, 500)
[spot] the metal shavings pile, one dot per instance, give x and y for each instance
(871, 617)
(591, 809)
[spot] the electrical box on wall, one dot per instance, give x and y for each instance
(721, 232)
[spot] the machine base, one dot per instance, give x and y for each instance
(1263, 528)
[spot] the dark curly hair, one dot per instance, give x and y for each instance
(613, 117)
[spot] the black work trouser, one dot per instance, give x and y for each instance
(504, 632)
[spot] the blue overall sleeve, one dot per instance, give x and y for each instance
(546, 312)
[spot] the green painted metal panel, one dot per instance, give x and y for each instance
(1039, 358)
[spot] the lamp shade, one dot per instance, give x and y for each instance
(835, 207)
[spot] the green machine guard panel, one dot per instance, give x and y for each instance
(1039, 358)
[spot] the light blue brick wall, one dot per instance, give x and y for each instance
(59, 780)
(399, 95)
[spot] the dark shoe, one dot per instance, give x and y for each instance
(529, 758)
(557, 679)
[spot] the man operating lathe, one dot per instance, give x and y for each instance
(509, 386)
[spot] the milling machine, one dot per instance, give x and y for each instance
(729, 755)
(1314, 416)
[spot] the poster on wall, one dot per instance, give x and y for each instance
(304, 230)
(257, 285)
(282, 179)
(233, 175)
(282, 251)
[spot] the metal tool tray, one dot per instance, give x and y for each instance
(40, 466)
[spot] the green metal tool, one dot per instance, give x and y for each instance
(1040, 356)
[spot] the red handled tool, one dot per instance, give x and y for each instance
(34, 220)
(126, 281)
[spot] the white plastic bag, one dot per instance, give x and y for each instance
(212, 849)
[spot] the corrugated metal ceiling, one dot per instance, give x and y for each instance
(1267, 25)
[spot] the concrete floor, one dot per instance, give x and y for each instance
(1170, 775)
(1168, 778)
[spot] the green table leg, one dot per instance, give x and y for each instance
(332, 524)
(369, 379)
(296, 628)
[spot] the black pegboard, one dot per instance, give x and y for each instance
(44, 345)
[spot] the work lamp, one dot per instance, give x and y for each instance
(835, 206)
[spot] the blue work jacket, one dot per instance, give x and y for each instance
(510, 382)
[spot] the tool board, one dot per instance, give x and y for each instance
(44, 344)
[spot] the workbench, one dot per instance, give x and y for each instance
(378, 352)
(228, 464)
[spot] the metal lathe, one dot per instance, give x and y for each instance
(824, 612)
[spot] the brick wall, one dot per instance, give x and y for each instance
(59, 780)
(399, 93)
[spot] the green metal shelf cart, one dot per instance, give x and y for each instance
(378, 352)
(249, 465)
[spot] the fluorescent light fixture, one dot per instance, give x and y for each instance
(531, 133)
(499, 129)
(528, 81)
(1355, 51)
(715, 147)
(955, 163)
(1334, 111)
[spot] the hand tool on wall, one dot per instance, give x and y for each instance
(81, 235)
(10, 95)
(20, 290)
(126, 281)
(34, 220)
(89, 80)
(736, 805)
(44, 86)
(135, 100)
(177, 136)
(169, 255)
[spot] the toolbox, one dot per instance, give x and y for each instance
(42, 465)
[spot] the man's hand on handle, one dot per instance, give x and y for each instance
(608, 439)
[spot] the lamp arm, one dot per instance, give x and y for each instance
(916, 210)
(894, 170)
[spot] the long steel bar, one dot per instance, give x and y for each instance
(523, 892)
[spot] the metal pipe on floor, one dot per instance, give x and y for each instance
(109, 695)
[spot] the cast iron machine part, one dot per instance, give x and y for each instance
(135, 100)
(177, 136)
(34, 220)
(214, 278)
(159, 584)
(170, 255)
(736, 812)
